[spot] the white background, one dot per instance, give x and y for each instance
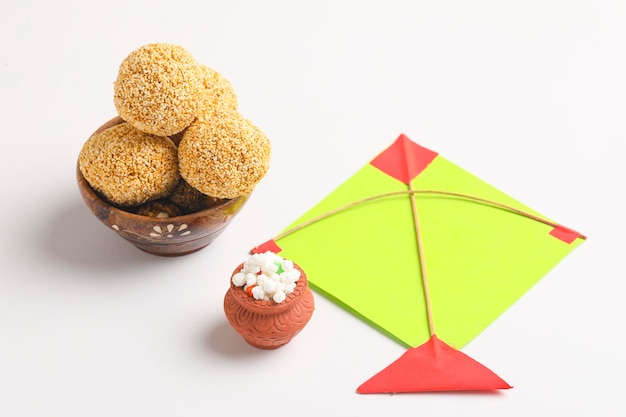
(528, 95)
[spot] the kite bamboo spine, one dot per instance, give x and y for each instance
(422, 258)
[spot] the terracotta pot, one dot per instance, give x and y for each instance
(173, 236)
(266, 324)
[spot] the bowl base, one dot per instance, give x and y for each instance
(152, 251)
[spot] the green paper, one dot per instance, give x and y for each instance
(480, 259)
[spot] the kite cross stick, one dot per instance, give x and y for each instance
(433, 366)
(480, 261)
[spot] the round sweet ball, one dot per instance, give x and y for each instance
(218, 93)
(224, 156)
(129, 167)
(159, 209)
(158, 89)
(187, 197)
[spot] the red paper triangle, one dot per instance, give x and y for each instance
(433, 366)
(404, 159)
(270, 245)
(565, 234)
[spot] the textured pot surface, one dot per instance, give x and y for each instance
(266, 324)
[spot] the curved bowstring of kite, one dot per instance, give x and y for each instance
(414, 192)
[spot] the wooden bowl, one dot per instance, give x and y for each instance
(173, 236)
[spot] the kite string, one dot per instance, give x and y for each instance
(413, 192)
(422, 258)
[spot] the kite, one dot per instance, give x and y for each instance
(428, 254)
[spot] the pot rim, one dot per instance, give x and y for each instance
(269, 306)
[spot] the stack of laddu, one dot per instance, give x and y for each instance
(182, 145)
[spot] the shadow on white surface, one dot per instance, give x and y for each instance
(221, 339)
(73, 236)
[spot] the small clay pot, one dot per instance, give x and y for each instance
(266, 324)
(172, 236)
